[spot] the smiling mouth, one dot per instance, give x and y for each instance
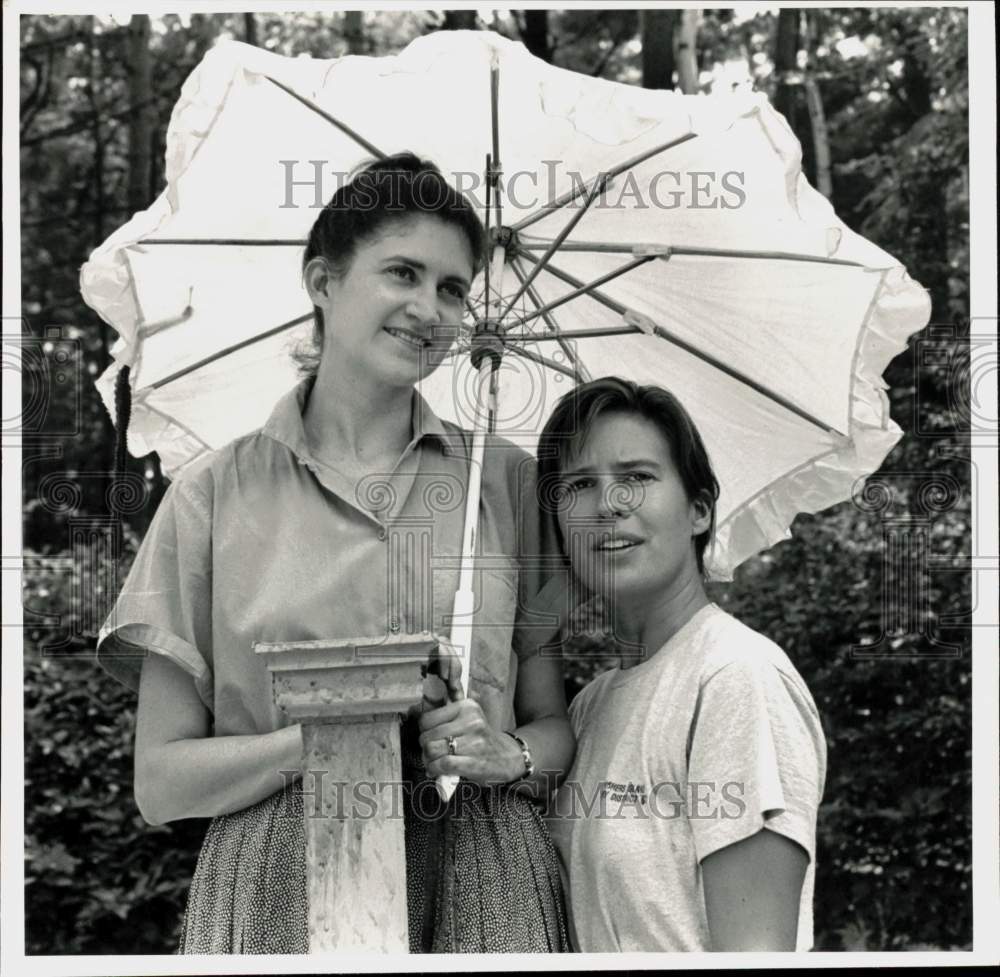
(411, 339)
(617, 545)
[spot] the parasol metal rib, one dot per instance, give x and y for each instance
(495, 109)
(578, 191)
(599, 184)
(530, 337)
(494, 168)
(152, 328)
(543, 360)
(230, 349)
(345, 129)
(594, 293)
(583, 374)
(589, 288)
(668, 250)
(486, 269)
(777, 398)
(227, 241)
(665, 334)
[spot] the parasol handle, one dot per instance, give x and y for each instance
(461, 640)
(465, 598)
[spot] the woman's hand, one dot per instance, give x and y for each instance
(442, 680)
(442, 677)
(454, 734)
(480, 753)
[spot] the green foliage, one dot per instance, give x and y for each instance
(894, 862)
(894, 834)
(98, 879)
(901, 138)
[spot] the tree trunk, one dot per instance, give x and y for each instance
(202, 32)
(821, 141)
(657, 30)
(789, 92)
(100, 206)
(141, 139)
(94, 72)
(686, 51)
(156, 151)
(817, 117)
(536, 34)
(459, 20)
(354, 31)
(140, 121)
(786, 62)
(250, 29)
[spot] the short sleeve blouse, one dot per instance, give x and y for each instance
(261, 542)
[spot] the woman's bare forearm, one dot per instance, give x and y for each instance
(552, 747)
(203, 778)
(752, 891)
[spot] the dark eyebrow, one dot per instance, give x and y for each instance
(617, 466)
(420, 266)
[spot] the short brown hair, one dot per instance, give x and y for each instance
(379, 193)
(576, 412)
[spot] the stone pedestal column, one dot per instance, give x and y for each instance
(350, 697)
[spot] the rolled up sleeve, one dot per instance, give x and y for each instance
(165, 606)
(757, 759)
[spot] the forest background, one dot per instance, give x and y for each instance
(871, 599)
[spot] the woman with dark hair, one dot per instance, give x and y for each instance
(688, 819)
(341, 517)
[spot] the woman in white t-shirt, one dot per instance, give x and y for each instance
(688, 820)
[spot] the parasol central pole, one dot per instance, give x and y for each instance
(486, 356)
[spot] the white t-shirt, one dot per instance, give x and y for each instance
(702, 745)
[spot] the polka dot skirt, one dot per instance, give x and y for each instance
(482, 875)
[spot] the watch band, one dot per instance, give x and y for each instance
(529, 764)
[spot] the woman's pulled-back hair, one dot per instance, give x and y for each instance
(567, 429)
(378, 194)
